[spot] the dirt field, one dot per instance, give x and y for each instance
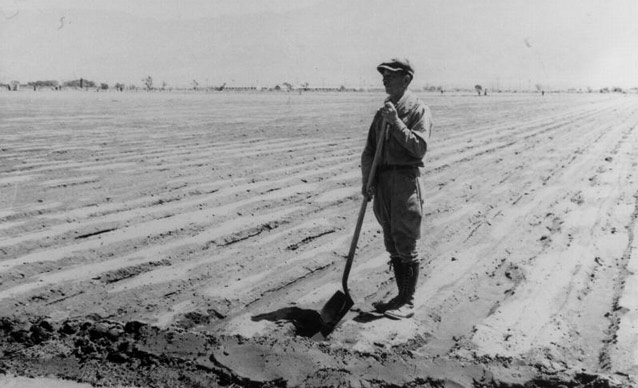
(176, 240)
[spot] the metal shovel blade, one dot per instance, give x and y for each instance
(336, 308)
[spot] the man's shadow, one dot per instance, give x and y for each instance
(307, 323)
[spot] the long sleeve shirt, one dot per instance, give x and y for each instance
(406, 141)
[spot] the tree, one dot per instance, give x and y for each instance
(478, 88)
(432, 88)
(79, 83)
(305, 85)
(195, 84)
(44, 84)
(148, 82)
(288, 86)
(119, 87)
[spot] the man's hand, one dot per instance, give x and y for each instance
(389, 113)
(368, 194)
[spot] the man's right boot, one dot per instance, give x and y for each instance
(399, 277)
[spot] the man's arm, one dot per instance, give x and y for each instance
(414, 139)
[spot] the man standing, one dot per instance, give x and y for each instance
(397, 190)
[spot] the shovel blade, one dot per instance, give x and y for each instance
(336, 308)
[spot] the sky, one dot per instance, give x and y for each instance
(500, 44)
(161, 9)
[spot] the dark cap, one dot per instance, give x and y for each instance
(397, 64)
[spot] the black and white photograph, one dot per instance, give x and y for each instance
(318, 193)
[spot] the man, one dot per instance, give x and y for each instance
(397, 189)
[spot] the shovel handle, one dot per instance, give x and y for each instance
(362, 211)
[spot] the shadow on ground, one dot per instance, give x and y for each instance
(307, 322)
(365, 317)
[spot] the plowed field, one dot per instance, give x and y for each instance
(188, 240)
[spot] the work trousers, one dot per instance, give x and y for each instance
(398, 206)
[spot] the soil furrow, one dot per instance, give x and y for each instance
(211, 238)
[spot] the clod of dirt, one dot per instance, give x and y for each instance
(103, 352)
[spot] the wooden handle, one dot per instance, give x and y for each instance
(362, 211)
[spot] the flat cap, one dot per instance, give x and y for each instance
(397, 64)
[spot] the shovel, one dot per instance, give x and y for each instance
(341, 302)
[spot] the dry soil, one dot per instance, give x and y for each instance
(188, 240)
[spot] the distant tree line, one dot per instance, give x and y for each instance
(148, 84)
(79, 83)
(44, 84)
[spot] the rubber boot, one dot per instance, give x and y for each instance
(406, 308)
(398, 267)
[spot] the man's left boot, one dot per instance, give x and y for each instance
(406, 308)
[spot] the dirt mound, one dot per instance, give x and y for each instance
(106, 353)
